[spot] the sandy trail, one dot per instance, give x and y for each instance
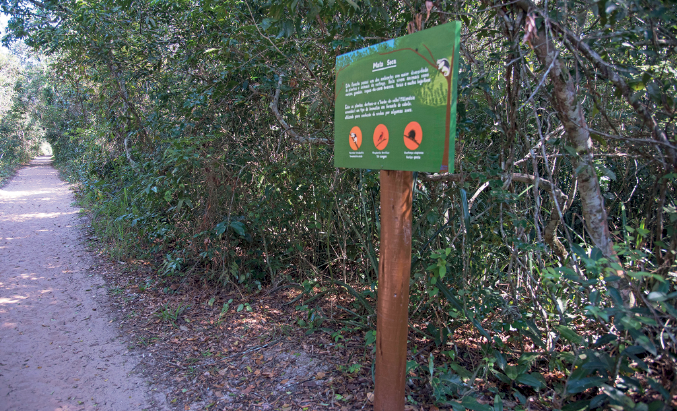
(59, 349)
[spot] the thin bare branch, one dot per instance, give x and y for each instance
(518, 177)
(634, 140)
(540, 83)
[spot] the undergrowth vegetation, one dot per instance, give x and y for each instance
(199, 134)
(21, 134)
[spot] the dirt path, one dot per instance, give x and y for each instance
(59, 349)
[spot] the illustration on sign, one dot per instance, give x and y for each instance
(381, 141)
(403, 92)
(355, 138)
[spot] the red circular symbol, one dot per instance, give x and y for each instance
(381, 137)
(413, 135)
(355, 138)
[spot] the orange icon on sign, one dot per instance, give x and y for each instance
(381, 137)
(355, 138)
(413, 135)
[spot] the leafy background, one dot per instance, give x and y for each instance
(200, 136)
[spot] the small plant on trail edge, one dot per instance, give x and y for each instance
(145, 341)
(370, 338)
(352, 369)
(171, 314)
(312, 319)
(171, 264)
(144, 286)
(224, 310)
(244, 306)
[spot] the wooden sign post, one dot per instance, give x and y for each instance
(396, 110)
(393, 290)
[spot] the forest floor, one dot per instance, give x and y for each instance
(248, 354)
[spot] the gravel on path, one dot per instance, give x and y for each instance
(59, 346)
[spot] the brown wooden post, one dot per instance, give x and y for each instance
(393, 290)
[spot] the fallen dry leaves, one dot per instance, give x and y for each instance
(257, 358)
(249, 360)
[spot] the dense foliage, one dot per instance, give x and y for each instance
(200, 132)
(21, 82)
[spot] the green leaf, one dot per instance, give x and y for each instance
(521, 398)
(504, 378)
(472, 404)
(500, 359)
(220, 228)
(657, 296)
(656, 406)
(455, 302)
(531, 380)
(238, 227)
(461, 371)
(431, 364)
(595, 110)
(457, 406)
(534, 337)
(582, 384)
(641, 274)
(597, 312)
(267, 22)
(498, 403)
(615, 295)
(569, 334)
(352, 3)
(598, 401)
(370, 337)
(357, 295)
(466, 212)
(528, 358)
(619, 397)
(480, 328)
(598, 139)
(605, 339)
(512, 372)
(645, 342)
(571, 151)
(579, 250)
(576, 406)
(658, 387)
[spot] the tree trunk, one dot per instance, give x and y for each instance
(570, 113)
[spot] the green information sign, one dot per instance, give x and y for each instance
(396, 103)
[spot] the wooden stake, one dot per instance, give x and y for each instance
(393, 290)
